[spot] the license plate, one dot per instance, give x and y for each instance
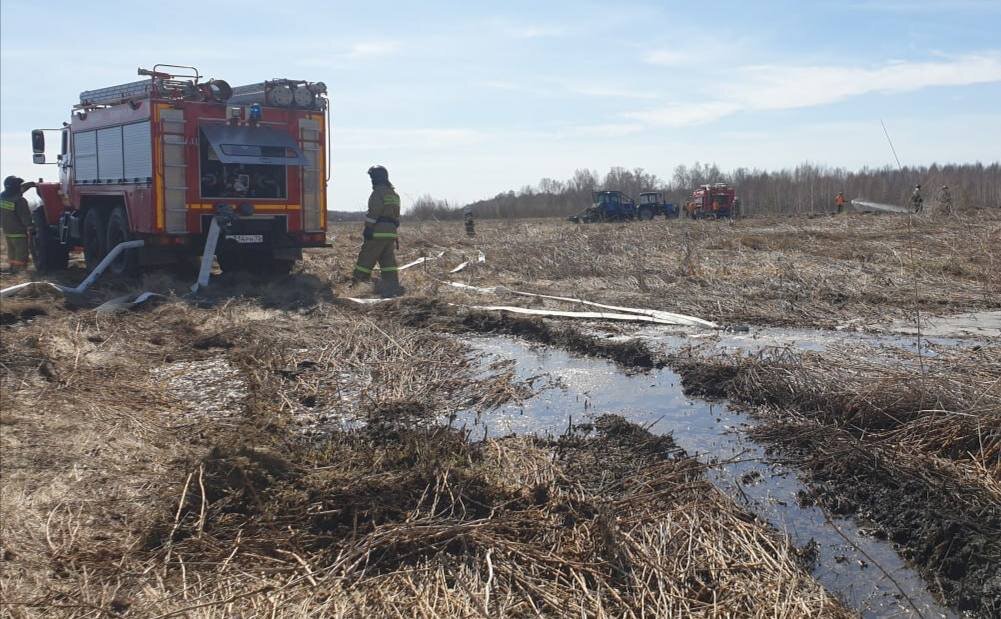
(246, 238)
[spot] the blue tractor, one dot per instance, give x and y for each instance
(652, 204)
(607, 206)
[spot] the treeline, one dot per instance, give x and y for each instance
(804, 190)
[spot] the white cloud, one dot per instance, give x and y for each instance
(684, 114)
(779, 87)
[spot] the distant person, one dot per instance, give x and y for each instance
(917, 202)
(945, 200)
(380, 235)
(735, 212)
(15, 219)
(839, 201)
(467, 217)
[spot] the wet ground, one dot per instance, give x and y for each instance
(867, 573)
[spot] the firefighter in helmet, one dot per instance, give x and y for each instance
(839, 201)
(917, 202)
(945, 200)
(15, 219)
(381, 223)
(467, 217)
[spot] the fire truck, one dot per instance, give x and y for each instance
(713, 202)
(159, 159)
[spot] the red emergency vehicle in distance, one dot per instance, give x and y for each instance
(712, 202)
(157, 159)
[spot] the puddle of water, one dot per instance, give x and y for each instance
(716, 435)
(972, 324)
(762, 339)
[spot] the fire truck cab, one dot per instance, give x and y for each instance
(712, 202)
(158, 159)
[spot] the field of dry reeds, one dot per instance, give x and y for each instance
(274, 449)
(823, 272)
(278, 454)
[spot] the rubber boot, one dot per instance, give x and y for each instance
(389, 286)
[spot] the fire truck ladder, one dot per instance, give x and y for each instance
(175, 170)
(116, 94)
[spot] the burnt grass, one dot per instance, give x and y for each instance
(325, 498)
(950, 532)
(427, 313)
(955, 541)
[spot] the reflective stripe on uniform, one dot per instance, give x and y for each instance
(16, 236)
(391, 200)
(384, 235)
(389, 269)
(7, 205)
(362, 269)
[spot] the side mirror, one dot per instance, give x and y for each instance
(38, 158)
(38, 142)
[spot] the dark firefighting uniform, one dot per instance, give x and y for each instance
(470, 224)
(381, 223)
(917, 202)
(15, 219)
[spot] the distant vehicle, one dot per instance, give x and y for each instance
(713, 202)
(652, 204)
(607, 206)
(156, 160)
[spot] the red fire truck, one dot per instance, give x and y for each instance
(158, 159)
(713, 202)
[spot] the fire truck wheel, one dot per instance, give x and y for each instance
(95, 241)
(47, 252)
(127, 262)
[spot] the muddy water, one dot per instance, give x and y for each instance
(739, 466)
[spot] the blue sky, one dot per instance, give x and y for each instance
(462, 100)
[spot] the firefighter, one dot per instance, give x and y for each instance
(467, 216)
(381, 223)
(945, 200)
(839, 201)
(917, 202)
(15, 219)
